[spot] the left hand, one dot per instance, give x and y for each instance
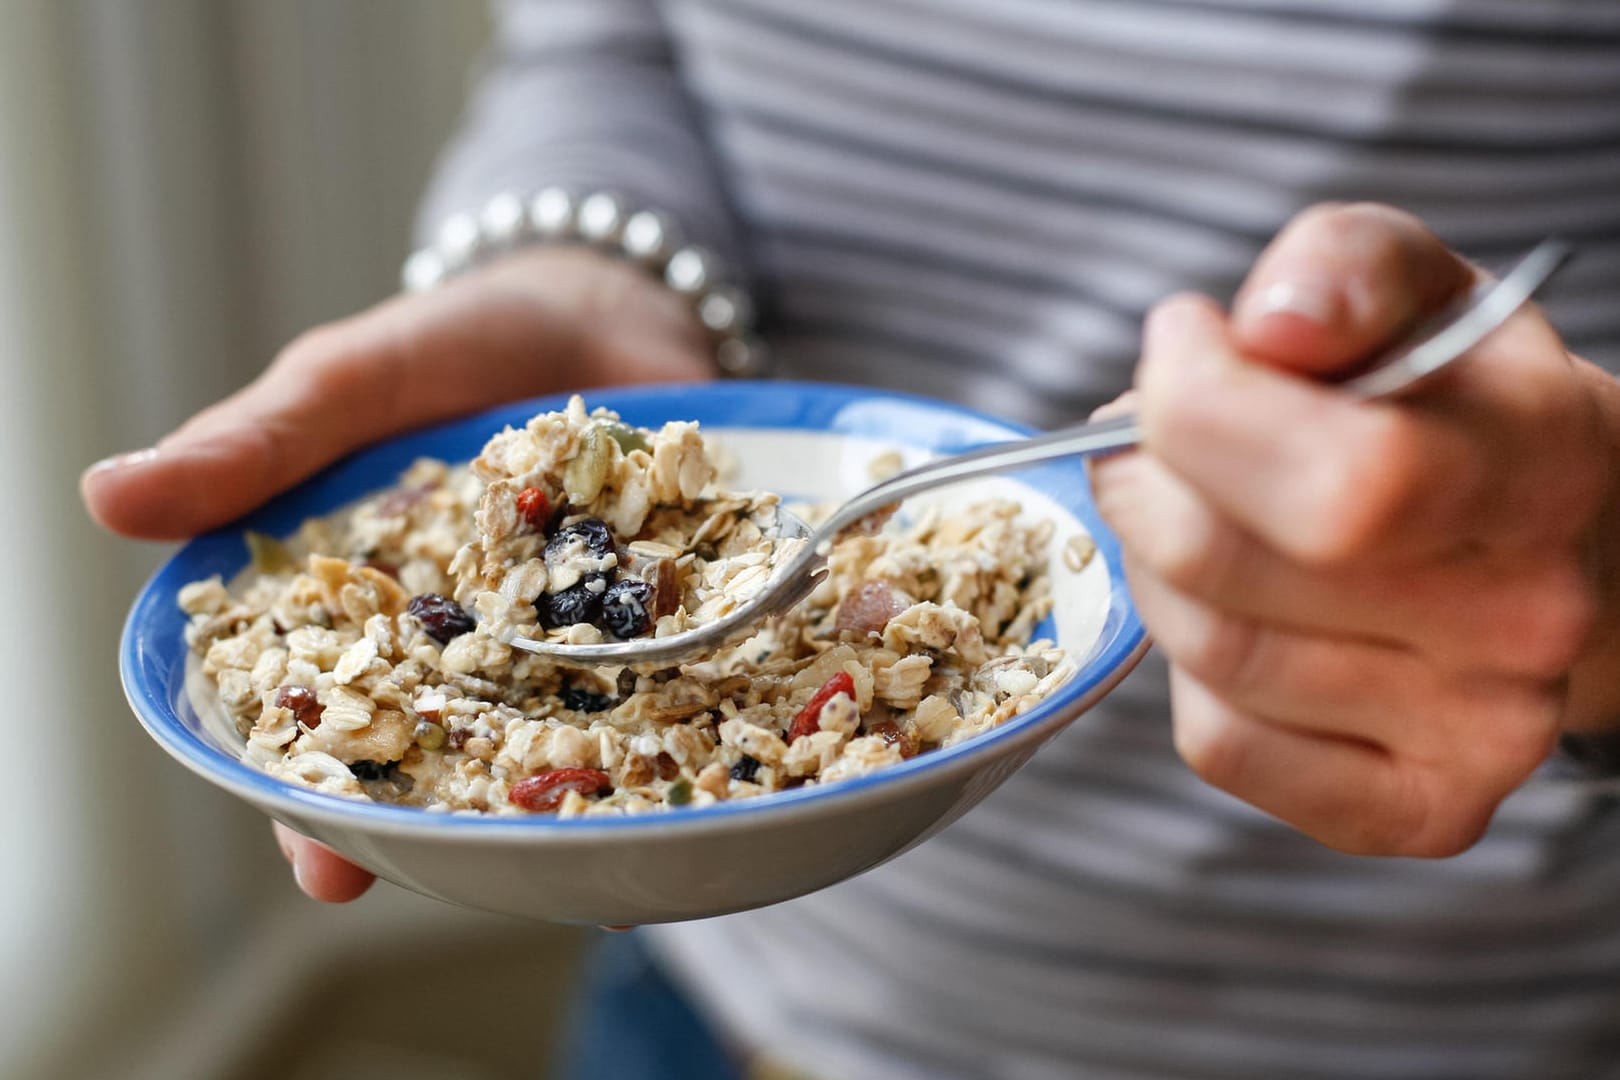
(1381, 615)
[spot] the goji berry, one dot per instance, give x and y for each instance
(534, 506)
(808, 722)
(547, 790)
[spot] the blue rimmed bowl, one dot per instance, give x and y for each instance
(804, 440)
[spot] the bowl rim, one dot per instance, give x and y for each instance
(149, 679)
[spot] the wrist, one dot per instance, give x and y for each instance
(646, 241)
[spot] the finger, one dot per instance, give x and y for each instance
(1330, 685)
(1338, 282)
(319, 871)
(1492, 727)
(1349, 795)
(1326, 478)
(1478, 611)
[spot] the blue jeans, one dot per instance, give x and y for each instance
(630, 1020)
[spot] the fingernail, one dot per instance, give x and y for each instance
(298, 875)
(1306, 298)
(123, 461)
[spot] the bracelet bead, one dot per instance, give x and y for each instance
(648, 238)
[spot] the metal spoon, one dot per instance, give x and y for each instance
(1417, 357)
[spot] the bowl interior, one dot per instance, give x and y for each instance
(802, 440)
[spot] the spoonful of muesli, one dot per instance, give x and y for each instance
(699, 573)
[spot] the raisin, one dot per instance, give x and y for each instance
(547, 790)
(300, 701)
(746, 769)
(371, 770)
(441, 617)
(627, 682)
(808, 722)
(627, 608)
(890, 732)
(592, 533)
(575, 604)
(534, 506)
(581, 700)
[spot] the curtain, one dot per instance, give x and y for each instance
(184, 186)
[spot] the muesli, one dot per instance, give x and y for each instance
(368, 656)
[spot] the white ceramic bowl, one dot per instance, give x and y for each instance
(802, 440)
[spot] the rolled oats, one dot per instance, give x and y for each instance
(917, 639)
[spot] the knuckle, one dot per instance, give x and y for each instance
(1358, 497)
(1426, 818)
(1213, 749)
(1555, 618)
(1195, 555)
(1223, 653)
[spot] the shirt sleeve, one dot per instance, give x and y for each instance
(584, 94)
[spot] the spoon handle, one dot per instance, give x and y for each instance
(1431, 346)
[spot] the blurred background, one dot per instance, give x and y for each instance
(184, 186)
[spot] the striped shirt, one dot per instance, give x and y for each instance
(980, 199)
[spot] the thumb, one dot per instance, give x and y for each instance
(1339, 282)
(490, 337)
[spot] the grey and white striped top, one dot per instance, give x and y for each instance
(980, 199)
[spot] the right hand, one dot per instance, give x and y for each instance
(533, 322)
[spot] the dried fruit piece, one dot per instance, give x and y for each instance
(371, 770)
(547, 790)
(746, 769)
(808, 722)
(591, 534)
(627, 608)
(534, 506)
(582, 700)
(665, 580)
(301, 702)
(890, 732)
(575, 604)
(869, 608)
(441, 617)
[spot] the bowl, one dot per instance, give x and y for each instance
(803, 440)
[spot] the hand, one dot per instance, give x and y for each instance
(533, 322)
(1379, 616)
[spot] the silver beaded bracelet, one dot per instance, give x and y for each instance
(601, 220)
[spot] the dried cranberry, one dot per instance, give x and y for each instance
(534, 506)
(808, 722)
(300, 700)
(627, 608)
(547, 790)
(441, 617)
(575, 604)
(581, 700)
(746, 769)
